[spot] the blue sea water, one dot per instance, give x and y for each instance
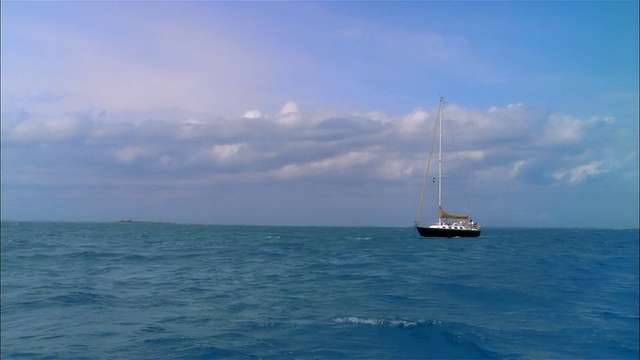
(168, 291)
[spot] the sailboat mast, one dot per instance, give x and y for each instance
(440, 158)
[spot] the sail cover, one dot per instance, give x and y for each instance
(446, 215)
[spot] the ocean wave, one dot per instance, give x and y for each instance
(374, 321)
(424, 339)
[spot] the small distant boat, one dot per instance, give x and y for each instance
(449, 225)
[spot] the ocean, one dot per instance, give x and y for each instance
(171, 291)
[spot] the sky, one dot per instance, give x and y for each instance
(320, 113)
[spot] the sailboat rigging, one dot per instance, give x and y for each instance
(449, 224)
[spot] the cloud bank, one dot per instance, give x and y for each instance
(294, 150)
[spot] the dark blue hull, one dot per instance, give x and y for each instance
(446, 233)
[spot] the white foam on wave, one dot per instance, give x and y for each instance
(358, 320)
(358, 237)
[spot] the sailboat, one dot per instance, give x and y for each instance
(449, 225)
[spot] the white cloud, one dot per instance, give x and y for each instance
(474, 155)
(60, 129)
(377, 116)
(351, 160)
(609, 120)
(289, 114)
(191, 129)
(515, 169)
(501, 173)
(131, 154)
(579, 173)
(412, 123)
(228, 152)
(289, 107)
(395, 169)
(252, 114)
(563, 130)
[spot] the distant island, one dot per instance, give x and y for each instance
(131, 221)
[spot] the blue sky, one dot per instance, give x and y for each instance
(320, 113)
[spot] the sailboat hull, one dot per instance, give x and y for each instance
(446, 233)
